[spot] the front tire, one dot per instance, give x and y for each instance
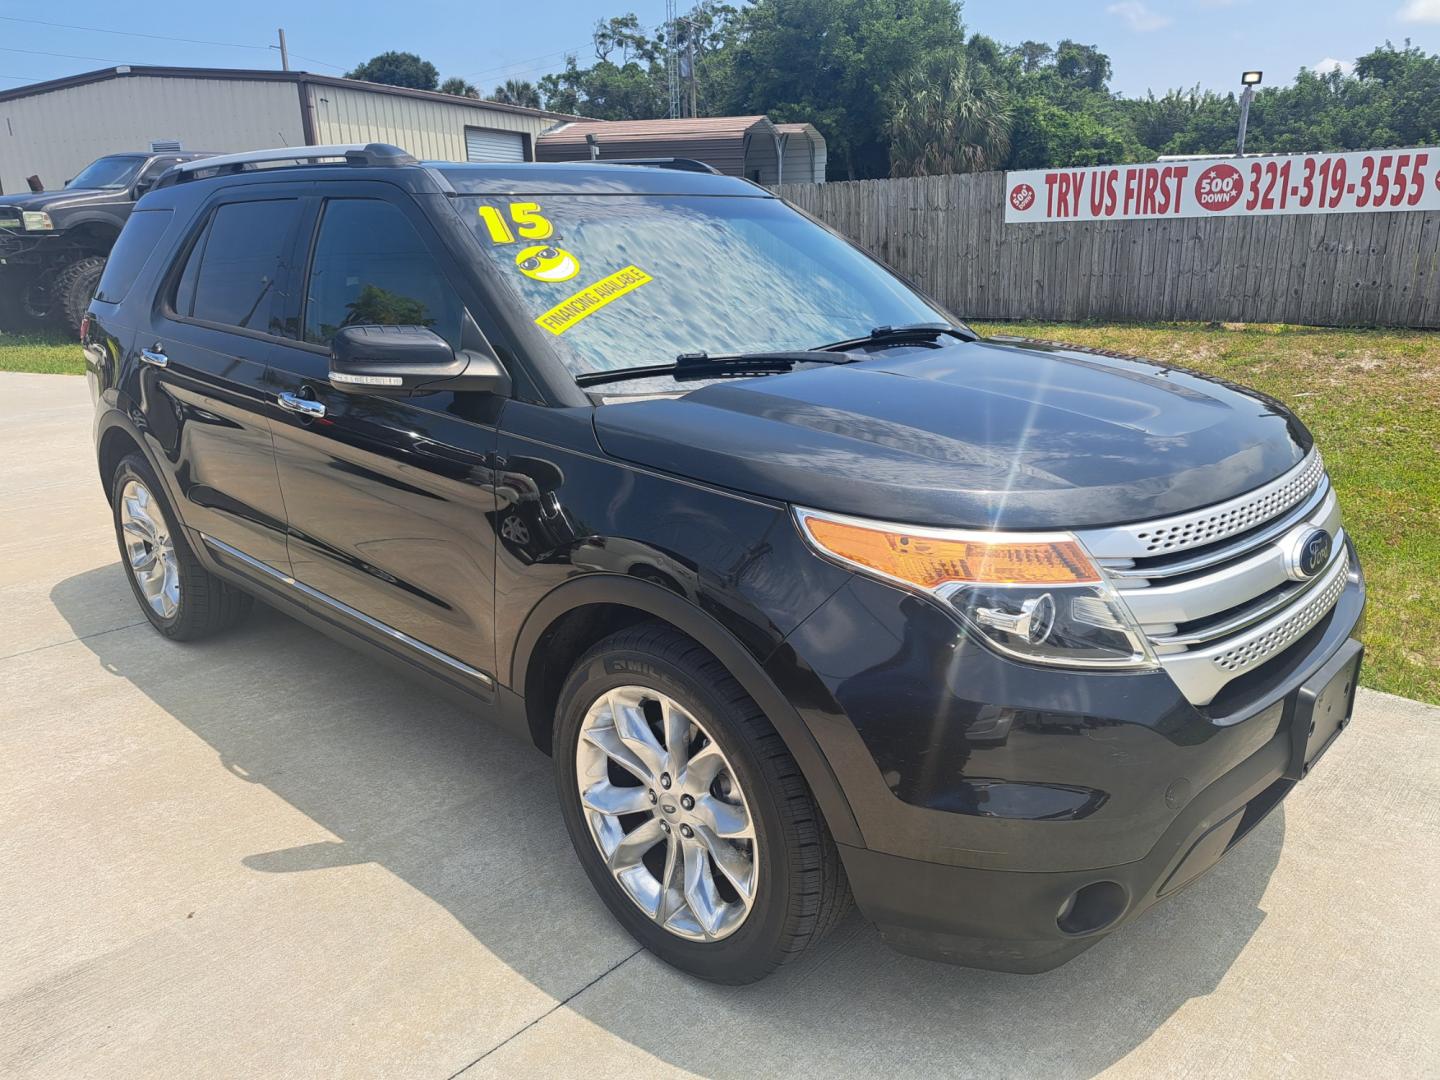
(182, 599)
(688, 813)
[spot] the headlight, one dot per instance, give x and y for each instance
(1036, 596)
(36, 220)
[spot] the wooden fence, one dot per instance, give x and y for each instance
(948, 233)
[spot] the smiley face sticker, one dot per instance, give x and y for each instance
(545, 263)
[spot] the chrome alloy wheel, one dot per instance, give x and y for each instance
(150, 550)
(667, 813)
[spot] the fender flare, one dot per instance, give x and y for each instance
(115, 417)
(600, 588)
(92, 217)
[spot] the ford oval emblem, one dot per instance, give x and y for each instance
(1309, 553)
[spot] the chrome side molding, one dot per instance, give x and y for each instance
(345, 609)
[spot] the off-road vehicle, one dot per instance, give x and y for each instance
(53, 244)
(806, 588)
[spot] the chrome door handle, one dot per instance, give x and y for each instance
(154, 357)
(304, 406)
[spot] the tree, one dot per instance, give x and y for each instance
(1034, 55)
(1392, 99)
(631, 89)
(947, 116)
(517, 92)
(398, 69)
(835, 64)
(628, 79)
(625, 35)
(607, 92)
(1062, 112)
(1046, 134)
(1158, 120)
(459, 87)
(1082, 66)
(895, 87)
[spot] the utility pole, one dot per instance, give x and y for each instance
(1250, 80)
(284, 52)
(690, 60)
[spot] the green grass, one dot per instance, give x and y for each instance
(47, 353)
(1372, 398)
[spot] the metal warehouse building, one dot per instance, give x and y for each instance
(54, 129)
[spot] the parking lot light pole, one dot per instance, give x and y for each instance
(1249, 80)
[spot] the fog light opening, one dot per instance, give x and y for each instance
(1092, 907)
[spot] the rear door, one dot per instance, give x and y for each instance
(206, 350)
(387, 498)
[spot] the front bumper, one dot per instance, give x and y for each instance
(1026, 818)
(20, 248)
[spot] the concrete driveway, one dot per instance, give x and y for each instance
(261, 857)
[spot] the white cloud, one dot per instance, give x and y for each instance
(1329, 64)
(1143, 20)
(1423, 11)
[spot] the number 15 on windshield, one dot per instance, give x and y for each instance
(528, 222)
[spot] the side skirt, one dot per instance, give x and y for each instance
(457, 681)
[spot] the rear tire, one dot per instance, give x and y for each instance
(74, 288)
(727, 910)
(182, 599)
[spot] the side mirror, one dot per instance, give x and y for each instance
(141, 187)
(398, 361)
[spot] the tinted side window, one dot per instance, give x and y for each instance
(184, 302)
(239, 262)
(137, 242)
(370, 268)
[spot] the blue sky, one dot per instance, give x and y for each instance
(1153, 43)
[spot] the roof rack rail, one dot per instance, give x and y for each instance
(683, 164)
(351, 153)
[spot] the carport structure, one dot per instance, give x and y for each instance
(748, 146)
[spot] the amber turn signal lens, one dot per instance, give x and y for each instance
(930, 562)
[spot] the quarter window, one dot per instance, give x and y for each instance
(137, 240)
(370, 268)
(233, 271)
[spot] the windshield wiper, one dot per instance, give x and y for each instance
(898, 335)
(689, 367)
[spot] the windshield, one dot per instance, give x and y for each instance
(624, 281)
(108, 172)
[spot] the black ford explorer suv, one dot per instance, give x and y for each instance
(806, 590)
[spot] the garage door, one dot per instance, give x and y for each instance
(484, 145)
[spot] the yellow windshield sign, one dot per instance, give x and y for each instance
(591, 299)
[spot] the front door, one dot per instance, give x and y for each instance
(387, 498)
(204, 353)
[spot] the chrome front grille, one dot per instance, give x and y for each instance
(1213, 523)
(1271, 639)
(1212, 589)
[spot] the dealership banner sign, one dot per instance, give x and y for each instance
(1359, 182)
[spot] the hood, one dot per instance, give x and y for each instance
(63, 199)
(978, 434)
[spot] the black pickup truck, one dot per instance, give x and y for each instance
(53, 244)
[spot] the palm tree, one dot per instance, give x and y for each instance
(459, 87)
(517, 92)
(947, 116)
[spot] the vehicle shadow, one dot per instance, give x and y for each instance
(466, 815)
